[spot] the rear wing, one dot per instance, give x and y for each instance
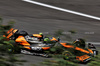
(11, 32)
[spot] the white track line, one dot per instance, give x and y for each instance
(62, 9)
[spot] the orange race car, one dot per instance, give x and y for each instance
(81, 54)
(31, 44)
(37, 44)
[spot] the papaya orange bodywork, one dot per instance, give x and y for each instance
(63, 43)
(22, 41)
(68, 46)
(4, 35)
(76, 48)
(45, 48)
(27, 47)
(82, 58)
(82, 50)
(90, 51)
(37, 35)
(10, 30)
(11, 33)
(53, 39)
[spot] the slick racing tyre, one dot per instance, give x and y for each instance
(67, 55)
(10, 48)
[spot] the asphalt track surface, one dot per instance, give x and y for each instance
(35, 19)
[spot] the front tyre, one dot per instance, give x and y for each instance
(67, 55)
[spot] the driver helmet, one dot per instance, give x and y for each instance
(40, 33)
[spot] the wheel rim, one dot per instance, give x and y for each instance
(10, 49)
(66, 55)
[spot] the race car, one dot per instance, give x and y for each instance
(80, 54)
(32, 44)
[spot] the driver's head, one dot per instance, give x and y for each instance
(40, 33)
